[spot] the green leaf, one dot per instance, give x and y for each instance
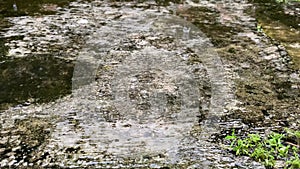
(230, 137)
(283, 151)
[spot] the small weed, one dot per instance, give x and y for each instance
(260, 153)
(294, 162)
(268, 149)
(232, 138)
(259, 28)
(241, 148)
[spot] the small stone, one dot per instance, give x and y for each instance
(155, 166)
(295, 77)
(4, 162)
(2, 150)
(279, 164)
(83, 21)
(257, 165)
(270, 50)
(194, 166)
(25, 164)
(271, 56)
(245, 65)
(12, 162)
(11, 155)
(240, 165)
(16, 148)
(283, 53)
(3, 140)
(227, 159)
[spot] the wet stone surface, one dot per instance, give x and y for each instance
(150, 90)
(284, 27)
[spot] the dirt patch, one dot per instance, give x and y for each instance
(24, 140)
(34, 79)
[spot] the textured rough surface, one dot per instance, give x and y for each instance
(153, 86)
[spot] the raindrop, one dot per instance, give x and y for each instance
(186, 30)
(15, 6)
